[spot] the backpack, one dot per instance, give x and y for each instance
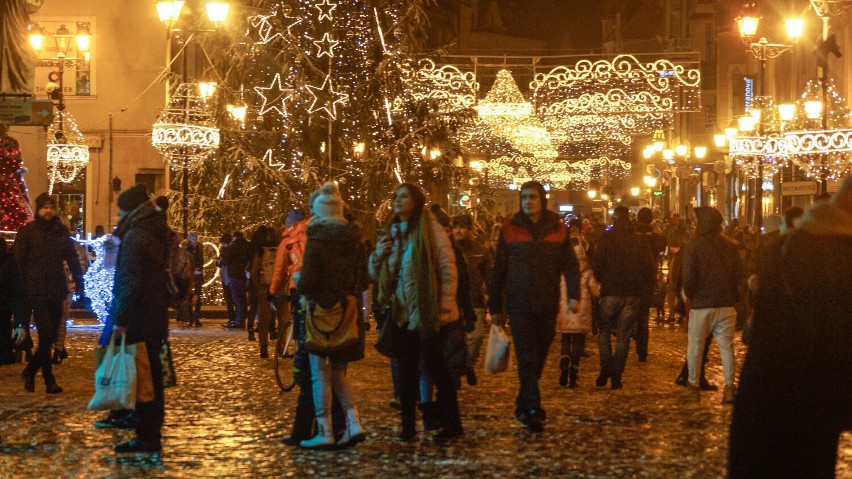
(267, 264)
(179, 280)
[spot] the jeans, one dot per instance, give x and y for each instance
(642, 332)
(532, 335)
(475, 337)
(618, 313)
(720, 322)
(47, 314)
(196, 299)
(328, 375)
(238, 292)
(152, 413)
(229, 301)
(428, 350)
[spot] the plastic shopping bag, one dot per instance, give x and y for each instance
(497, 353)
(115, 379)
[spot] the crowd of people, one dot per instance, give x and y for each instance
(433, 283)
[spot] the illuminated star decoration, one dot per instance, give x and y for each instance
(291, 22)
(330, 98)
(325, 8)
(267, 157)
(326, 46)
(265, 30)
(273, 104)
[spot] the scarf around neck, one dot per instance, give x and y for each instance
(424, 261)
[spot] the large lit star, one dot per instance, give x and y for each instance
(325, 8)
(325, 46)
(265, 30)
(274, 96)
(326, 98)
(268, 157)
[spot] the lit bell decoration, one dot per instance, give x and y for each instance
(764, 147)
(67, 153)
(185, 134)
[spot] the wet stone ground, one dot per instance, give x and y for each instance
(226, 418)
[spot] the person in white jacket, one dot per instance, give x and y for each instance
(573, 326)
(416, 272)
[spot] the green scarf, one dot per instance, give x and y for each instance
(425, 260)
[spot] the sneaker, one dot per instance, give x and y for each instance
(728, 394)
(135, 445)
(691, 393)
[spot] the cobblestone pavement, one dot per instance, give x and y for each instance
(226, 418)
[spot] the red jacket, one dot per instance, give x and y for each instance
(288, 259)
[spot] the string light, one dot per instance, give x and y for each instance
(327, 98)
(67, 154)
(185, 134)
(15, 208)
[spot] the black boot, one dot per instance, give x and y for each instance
(431, 421)
(409, 429)
(51, 387)
(29, 382)
(573, 375)
(564, 366)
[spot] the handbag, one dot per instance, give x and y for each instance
(388, 339)
(329, 330)
(115, 379)
(169, 378)
(497, 353)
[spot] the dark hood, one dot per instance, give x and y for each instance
(148, 216)
(709, 220)
(333, 229)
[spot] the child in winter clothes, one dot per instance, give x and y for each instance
(575, 326)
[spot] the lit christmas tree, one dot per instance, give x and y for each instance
(315, 90)
(15, 208)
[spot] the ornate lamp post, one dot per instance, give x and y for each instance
(185, 133)
(763, 50)
(67, 154)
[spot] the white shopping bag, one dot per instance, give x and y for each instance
(497, 353)
(115, 379)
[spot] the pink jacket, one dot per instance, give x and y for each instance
(581, 321)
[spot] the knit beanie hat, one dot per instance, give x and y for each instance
(131, 198)
(328, 202)
(294, 216)
(43, 200)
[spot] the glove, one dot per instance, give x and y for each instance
(498, 320)
(18, 335)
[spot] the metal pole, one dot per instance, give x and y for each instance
(758, 210)
(109, 182)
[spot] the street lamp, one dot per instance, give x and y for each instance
(185, 133)
(67, 153)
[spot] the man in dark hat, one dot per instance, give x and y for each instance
(624, 267)
(533, 252)
(40, 249)
(139, 307)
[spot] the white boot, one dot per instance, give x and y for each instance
(324, 437)
(354, 432)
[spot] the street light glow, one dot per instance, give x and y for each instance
(169, 11)
(747, 26)
(635, 191)
(700, 152)
(217, 12)
(813, 109)
(719, 139)
(795, 27)
(787, 111)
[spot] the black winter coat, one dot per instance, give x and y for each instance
(527, 266)
(40, 249)
(478, 267)
(796, 380)
(237, 258)
(196, 254)
(140, 297)
(712, 269)
(623, 264)
(334, 266)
